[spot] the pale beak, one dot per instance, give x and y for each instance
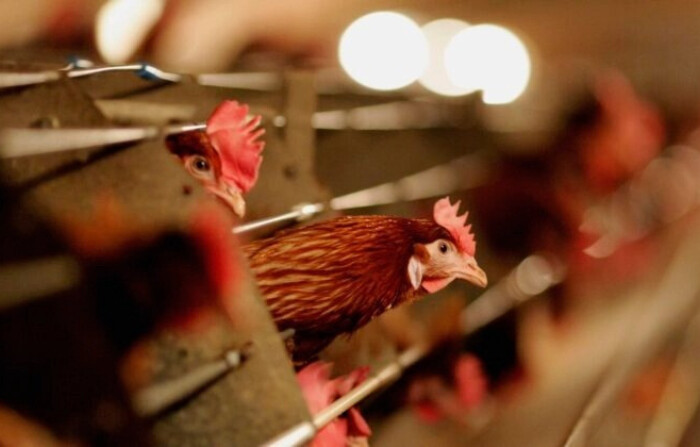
(233, 198)
(470, 271)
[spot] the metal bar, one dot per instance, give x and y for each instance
(27, 142)
(181, 128)
(27, 280)
(388, 374)
(391, 115)
(248, 81)
(90, 71)
(460, 174)
(257, 81)
(156, 398)
(10, 79)
(298, 435)
(81, 68)
(531, 277)
(299, 213)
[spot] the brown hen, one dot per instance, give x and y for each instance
(225, 157)
(333, 277)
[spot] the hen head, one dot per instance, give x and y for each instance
(225, 158)
(437, 263)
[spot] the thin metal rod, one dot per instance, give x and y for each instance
(329, 82)
(298, 435)
(256, 81)
(10, 79)
(463, 173)
(531, 277)
(27, 280)
(156, 398)
(388, 374)
(27, 142)
(80, 68)
(90, 71)
(260, 81)
(460, 174)
(299, 213)
(392, 115)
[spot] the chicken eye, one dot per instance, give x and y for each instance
(201, 164)
(443, 247)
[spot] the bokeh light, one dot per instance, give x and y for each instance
(439, 33)
(122, 25)
(384, 51)
(489, 58)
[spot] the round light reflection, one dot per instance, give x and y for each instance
(383, 51)
(489, 58)
(121, 27)
(439, 33)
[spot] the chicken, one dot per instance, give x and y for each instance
(320, 391)
(333, 277)
(434, 396)
(156, 277)
(225, 158)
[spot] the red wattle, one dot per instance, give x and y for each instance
(433, 285)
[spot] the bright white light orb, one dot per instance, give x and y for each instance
(489, 58)
(383, 51)
(439, 33)
(121, 27)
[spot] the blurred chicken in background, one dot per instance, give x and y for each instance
(71, 367)
(610, 135)
(320, 392)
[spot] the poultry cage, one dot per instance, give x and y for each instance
(135, 310)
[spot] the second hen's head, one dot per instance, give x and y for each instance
(225, 158)
(436, 263)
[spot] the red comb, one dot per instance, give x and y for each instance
(235, 138)
(446, 216)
